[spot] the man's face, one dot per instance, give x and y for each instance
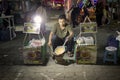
(61, 22)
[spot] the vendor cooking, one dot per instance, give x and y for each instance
(59, 33)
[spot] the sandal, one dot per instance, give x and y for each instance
(70, 54)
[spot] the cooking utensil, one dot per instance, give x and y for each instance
(61, 49)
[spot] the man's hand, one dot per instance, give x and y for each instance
(68, 11)
(50, 38)
(68, 38)
(49, 43)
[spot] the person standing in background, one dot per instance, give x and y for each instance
(67, 6)
(74, 12)
(114, 16)
(106, 15)
(99, 13)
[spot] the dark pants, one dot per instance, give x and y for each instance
(59, 42)
(74, 15)
(99, 19)
(74, 19)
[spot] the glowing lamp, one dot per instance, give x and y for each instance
(37, 19)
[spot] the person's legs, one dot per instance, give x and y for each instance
(70, 47)
(56, 41)
(99, 20)
(73, 19)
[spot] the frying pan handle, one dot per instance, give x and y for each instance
(65, 41)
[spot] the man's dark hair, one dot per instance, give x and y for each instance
(62, 16)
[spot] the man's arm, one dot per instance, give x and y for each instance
(71, 34)
(53, 30)
(50, 39)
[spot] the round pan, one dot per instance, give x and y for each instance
(60, 49)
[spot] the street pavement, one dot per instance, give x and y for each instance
(13, 68)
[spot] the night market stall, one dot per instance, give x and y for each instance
(86, 43)
(34, 43)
